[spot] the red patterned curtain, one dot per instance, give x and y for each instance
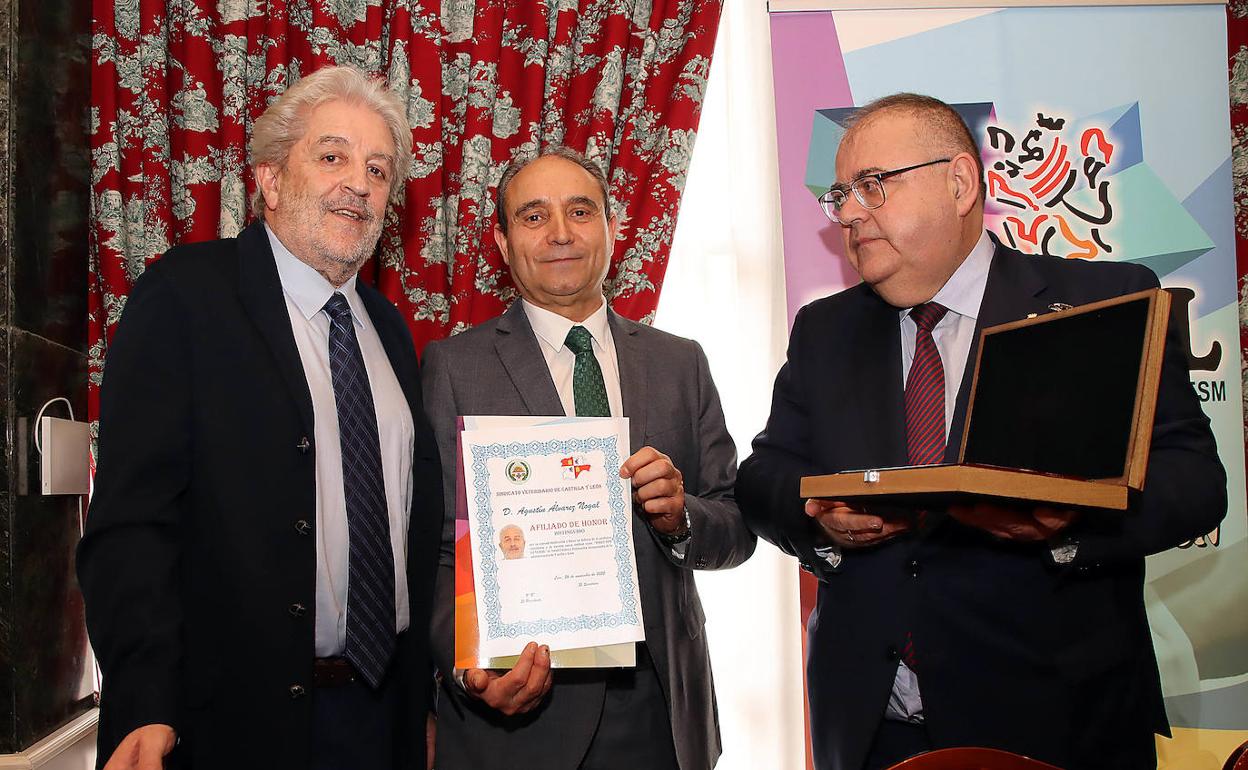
(176, 85)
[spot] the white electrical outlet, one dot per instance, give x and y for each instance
(65, 465)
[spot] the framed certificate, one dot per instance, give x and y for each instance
(549, 527)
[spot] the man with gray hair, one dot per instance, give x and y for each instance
(259, 557)
(560, 350)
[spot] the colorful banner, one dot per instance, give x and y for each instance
(1106, 136)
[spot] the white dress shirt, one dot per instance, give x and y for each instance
(306, 293)
(962, 295)
(552, 329)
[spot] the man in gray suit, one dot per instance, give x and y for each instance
(562, 351)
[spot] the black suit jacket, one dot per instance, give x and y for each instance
(201, 536)
(1014, 651)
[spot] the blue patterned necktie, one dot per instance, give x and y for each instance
(588, 390)
(371, 636)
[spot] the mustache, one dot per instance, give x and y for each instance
(354, 203)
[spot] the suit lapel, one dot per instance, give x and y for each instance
(632, 365)
(876, 375)
(260, 291)
(398, 346)
(1013, 290)
(522, 358)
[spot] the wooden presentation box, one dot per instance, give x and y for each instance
(1060, 413)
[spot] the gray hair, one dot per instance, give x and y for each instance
(284, 122)
(945, 125)
(556, 151)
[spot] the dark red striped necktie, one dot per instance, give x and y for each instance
(925, 391)
(925, 411)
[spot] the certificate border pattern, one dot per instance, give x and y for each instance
(495, 627)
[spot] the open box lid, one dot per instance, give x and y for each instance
(1071, 393)
(1060, 412)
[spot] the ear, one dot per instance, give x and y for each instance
(267, 178)
(500, 238)
(613, 232)
(966, 183)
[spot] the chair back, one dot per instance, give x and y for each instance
(972, 759)
(1238, 760)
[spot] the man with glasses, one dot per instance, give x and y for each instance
(1017, 628)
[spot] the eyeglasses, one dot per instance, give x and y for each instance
(868, 189)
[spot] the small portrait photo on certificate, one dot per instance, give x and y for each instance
(511, 541)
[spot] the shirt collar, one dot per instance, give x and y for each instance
(307, 288)
(553, 328)
(964, 291)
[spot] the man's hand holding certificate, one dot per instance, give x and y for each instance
(519, 690)
(659, 489)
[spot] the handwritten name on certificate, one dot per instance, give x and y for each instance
(551, 528)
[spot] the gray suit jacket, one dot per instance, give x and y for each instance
(497, 368)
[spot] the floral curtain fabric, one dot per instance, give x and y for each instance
(176, 85)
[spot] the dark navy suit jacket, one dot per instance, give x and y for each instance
(201, 537)
(1016, 652)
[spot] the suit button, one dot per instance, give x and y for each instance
(913, 566)
(303, 527)
(297, 691)
(297, 610)
(891, 653)
(304, 445)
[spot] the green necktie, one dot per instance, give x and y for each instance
(588, 390)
